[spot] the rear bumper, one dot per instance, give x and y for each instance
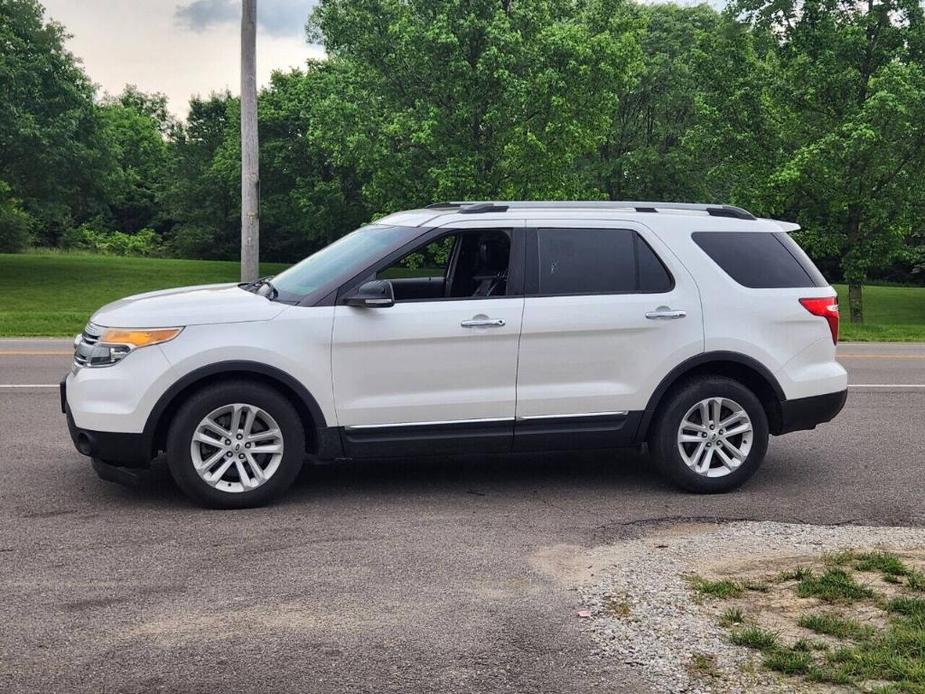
(806, 413)
(115, 448)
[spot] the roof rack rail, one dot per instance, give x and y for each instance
(481, 207)
(475, 206)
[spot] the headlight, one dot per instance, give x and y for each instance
(99, 346)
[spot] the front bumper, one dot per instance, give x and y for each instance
(115, 448)
(806, 413)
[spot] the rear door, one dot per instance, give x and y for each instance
(609, 311)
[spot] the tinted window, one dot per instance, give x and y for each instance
(653, 277)
(760, 260)
(800, 255)
(597, 261)
(348, 255)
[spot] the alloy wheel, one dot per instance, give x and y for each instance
(715, 437)
(236, 447)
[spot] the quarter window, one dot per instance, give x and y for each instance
(760, 260)
(597, 261)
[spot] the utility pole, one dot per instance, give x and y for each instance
(250, 164)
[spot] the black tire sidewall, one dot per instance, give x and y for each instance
(205, 401)
(679, 401)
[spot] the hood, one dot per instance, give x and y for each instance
(209, 303)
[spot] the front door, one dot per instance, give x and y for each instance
(609, 311)
(436, 371)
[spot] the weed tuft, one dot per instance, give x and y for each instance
(886, 563)
(754, 637)
(716, 589)
(789, 661)
(834, 586)
(915, 580)
(732, 617)
(909, 607)
(842, 557)
(704, 665)
(835, 625)
(797, 574)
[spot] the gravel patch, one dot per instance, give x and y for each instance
(645, 615)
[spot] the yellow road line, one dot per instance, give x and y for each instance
(35, 353)
(880, 356)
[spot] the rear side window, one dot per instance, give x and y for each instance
(760, 260)
(597, 261)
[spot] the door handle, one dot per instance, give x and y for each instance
(482, 322)
(665, 313)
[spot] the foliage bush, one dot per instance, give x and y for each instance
(146, 243)
(15, 223)
(192, 241)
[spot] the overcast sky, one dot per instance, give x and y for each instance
(179, 47)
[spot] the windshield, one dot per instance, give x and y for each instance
(343, 258)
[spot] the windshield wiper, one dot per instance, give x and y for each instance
(261, 282)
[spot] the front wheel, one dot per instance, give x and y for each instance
(235, 445)
(711, 435)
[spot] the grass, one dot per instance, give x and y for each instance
(716, 589)
(797, 574)
(915, 580)
(790, 661)
(732, 617)
(891, 314)
(54, 294)
(703, 665)
(866, 658)
(835, 625)
(834, 586)
(886, 563)
(754, 637)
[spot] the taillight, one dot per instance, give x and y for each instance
(825, 307)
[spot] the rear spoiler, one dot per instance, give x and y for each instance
(784, 226)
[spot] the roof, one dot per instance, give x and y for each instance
(462, 210)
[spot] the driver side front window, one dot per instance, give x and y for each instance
(466, 264)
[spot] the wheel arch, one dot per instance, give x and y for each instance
(155, 431)
(747, 370)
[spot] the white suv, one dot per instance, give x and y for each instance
(472, 327)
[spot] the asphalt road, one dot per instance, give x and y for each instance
(414, 576)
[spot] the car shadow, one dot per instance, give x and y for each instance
(475, 474)
(625, 469)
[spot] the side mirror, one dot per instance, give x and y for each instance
(374, 294)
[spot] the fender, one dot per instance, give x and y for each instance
(700, 360)
(155, 429)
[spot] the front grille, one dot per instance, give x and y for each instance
(84, 346)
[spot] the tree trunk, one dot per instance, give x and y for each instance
(250, 167)
(856, 302)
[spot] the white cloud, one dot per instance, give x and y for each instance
(141, 43)
(276, 17)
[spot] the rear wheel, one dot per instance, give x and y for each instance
(235, 445)
(711, 435)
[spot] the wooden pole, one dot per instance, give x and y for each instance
(250, 165)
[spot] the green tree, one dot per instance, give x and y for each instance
(200, 198)
(850, 91)
(645, 155)
(307, 198)
(51, 153)
(450, 99)
(134, 129)
(15, 224)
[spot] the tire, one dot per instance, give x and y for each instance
(704, 461)
(261, 410)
